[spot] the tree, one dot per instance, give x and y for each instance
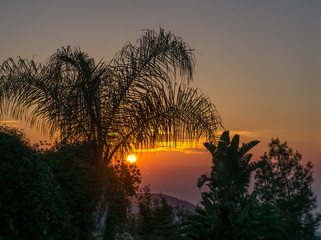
(146, 220)
(228, 211)
(129, 177)
(32, 205)
(77, 180)
(156, 218)
(78, 183)
(131, 102)
(287, 184)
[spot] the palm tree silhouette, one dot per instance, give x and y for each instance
(133, 101)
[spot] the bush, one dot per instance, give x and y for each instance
(31, 202)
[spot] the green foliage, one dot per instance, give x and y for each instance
(51, 194)
(32, 205)
(231, 170)
(155, 219)
(129, 177)
(82, 185)
(228, 212)
(118, 200)
(256, 221)
(79, 182)
(287, 184)
(146, 213)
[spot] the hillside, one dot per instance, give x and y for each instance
(173, 201)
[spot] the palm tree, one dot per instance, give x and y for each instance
(131, 102)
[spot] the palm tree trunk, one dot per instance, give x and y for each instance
(100, 219)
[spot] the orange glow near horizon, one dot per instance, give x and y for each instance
(261, 72)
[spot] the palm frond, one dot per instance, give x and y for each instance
(131, 102)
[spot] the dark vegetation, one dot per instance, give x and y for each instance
(80, 188)
(31, 201)
(110, 108)
(285, 183)
(49, 194)
(280, 207)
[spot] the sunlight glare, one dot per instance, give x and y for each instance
(131, 159)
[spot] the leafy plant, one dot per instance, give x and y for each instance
(228, 212)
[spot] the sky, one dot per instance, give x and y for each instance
(258, 61)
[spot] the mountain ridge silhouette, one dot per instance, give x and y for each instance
(172, 201)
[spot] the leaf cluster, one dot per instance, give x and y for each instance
(231, 170)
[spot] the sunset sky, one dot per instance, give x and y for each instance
(258, 61)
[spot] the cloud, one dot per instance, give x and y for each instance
(246, 133)
(13, 123)
(10, 122)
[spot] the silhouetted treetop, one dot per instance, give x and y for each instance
(130, 102)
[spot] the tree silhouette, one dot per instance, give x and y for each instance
(156, 218)
(32, 205)
(131, 102)
(284, 182)
(231, 171)
(228, 212)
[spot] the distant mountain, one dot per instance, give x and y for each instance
(173, 201)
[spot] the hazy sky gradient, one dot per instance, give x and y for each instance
(259, 61)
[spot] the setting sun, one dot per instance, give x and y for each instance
(131, 159)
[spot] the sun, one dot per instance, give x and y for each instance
(131, 158)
